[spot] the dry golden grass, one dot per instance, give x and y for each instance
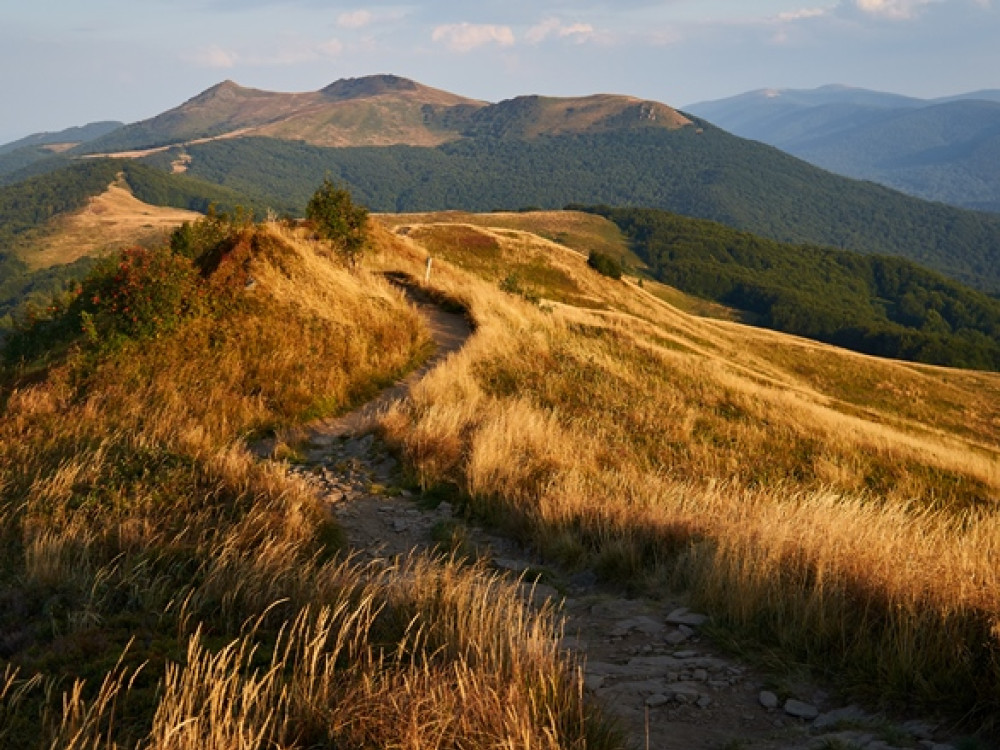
(597, 113)
(110, 221)
(840, 508)
(164, 590)
(576, 230)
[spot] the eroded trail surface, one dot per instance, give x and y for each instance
(647, 662)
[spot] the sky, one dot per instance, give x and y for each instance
(70, 62)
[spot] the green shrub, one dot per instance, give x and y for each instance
(139, 293)
(339, 220)
(143, 294)
(201, 240)
(605, 264)
(512, 285)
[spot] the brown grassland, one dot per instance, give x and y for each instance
(838, 509)
(163, 589)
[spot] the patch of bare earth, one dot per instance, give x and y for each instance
(108, 222)
(181, 164)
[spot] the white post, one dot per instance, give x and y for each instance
(427, 273)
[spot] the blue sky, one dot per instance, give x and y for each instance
(69, 62)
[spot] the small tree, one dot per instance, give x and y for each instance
(605, 264)
(339, 220)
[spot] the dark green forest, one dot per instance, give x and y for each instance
(702, 172)
(869, 303)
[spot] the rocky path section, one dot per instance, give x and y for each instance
(646, 661)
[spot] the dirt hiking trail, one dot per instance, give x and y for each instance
(646, 662)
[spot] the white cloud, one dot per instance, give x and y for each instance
(282, 53)
(213, 57)
(330, 48)
(803, 14)
(465, 37)
(296, 51)
(897, 10)
(579, 32)
(356, 19)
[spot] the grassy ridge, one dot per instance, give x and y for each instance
(839, 509)
(165, 590)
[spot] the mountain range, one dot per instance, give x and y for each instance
(402, 146)
(939, 149)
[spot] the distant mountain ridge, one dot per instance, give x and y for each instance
(380, 110)
(41, 147)
(401, 146)
(73, 135)
(939, 149)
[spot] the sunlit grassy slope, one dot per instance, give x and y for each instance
(529, 250)
(842, 509)
(162, 589)
(110, 221)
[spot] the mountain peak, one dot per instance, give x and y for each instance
(227, 90)
(368, 86)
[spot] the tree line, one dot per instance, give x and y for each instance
(869, 303)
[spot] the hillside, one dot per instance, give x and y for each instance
(872, 304)
(780, 481)
(382, 110)
(378, 110)
(941, 152)
(702, 172)
(782, 117)
(110, 221)
(22, 153)
(933, 149)
(204, 590)
(51, 225)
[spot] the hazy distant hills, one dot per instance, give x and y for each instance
(24, 152)
(68, 137)
(943, 149)
(402, 146)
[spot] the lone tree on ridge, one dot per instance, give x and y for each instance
(339, 220)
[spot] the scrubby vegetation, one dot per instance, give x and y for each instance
(833, 508)
(872, 304)
(29, 212)
(163, 589)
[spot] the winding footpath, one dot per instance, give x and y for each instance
(646, 661)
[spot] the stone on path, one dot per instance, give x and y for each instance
(685, 692)
(683, 616)
(831, 719)
(800, 710)
(659, 699)
(643, 624)
(675, 638)
(768, 699)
